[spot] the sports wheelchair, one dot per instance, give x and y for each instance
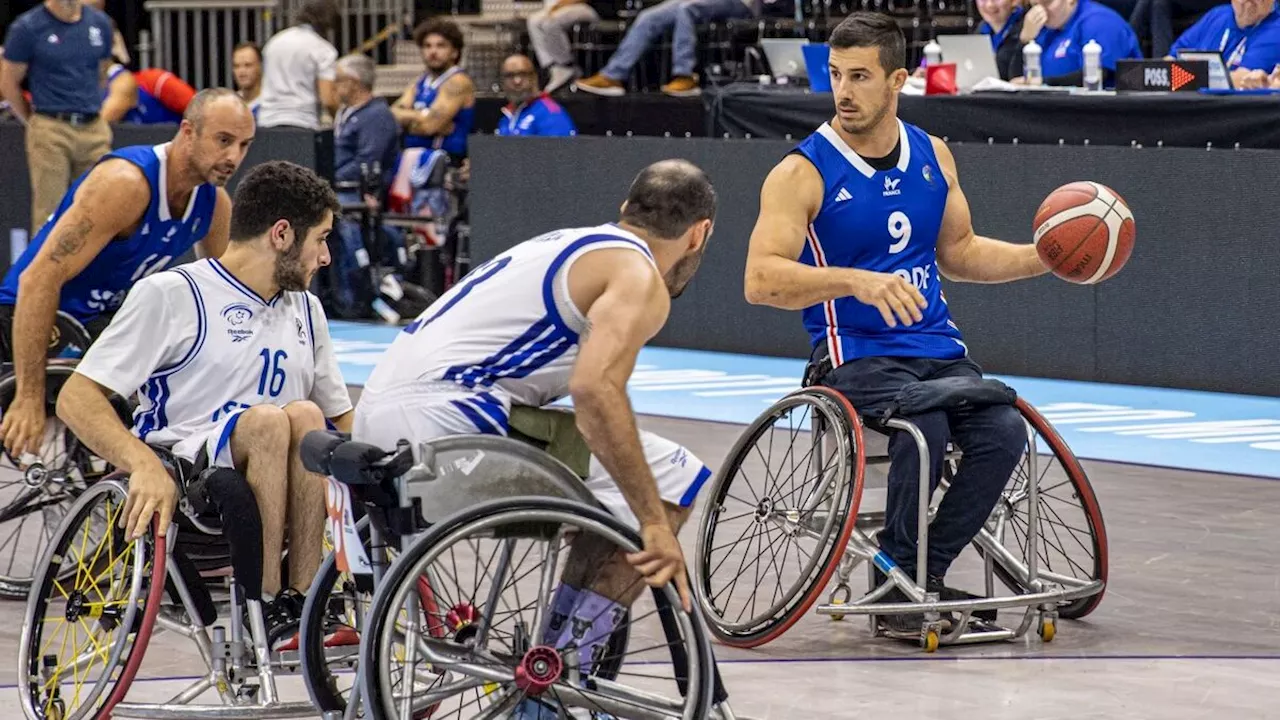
(37, 489)
(784, 516)
(463, 537)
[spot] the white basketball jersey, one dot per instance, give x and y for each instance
(508, 327)
(196, 344)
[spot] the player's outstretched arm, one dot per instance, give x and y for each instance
(109, 201)
(967, 257)
(789, 201)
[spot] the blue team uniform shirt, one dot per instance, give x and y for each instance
(149, 110)
(998, 38)
(160, 239)
(1062, 51)
(455, 143)
(885, 221)
(542, 116)
(1255, 48)
(64, 59)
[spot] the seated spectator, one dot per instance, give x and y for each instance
(246, 69)
(147, 97)
(1062, 28)
(297, 62)
(683, 18)
(529, 112)
(1246, 32)
(1153, 20)
(549, 35)
(438, 110)
(1002, 20)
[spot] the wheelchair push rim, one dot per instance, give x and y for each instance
(838, 484)
(487, 677)
(115, 622)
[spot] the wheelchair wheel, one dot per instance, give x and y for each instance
(36, 492)
(1073, 537)
(780, 515)
(92, 608)
(492, 571)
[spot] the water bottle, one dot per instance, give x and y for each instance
(932, 53)
(1031, 63)
(1092, 66)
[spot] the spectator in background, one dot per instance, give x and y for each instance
(1246, 32)
(63, 49)
(246, 69)
(297, 78)
(681, 16)
(1002, 20)
(437, 112)
(147, 97)
(529, 112)
(549, 35)
(1062, 28)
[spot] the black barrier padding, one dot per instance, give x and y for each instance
(1191, 309)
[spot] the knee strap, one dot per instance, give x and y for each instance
(953, 393)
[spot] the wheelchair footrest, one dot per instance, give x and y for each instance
(144, 711)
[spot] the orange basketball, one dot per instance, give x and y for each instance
(1084, 232)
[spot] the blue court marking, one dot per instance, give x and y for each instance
(1213, 432)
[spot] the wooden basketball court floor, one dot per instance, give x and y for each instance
(1189, 627)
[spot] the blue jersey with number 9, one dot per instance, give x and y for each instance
(885, 221)
(161, 237)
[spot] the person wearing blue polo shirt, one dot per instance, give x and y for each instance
(1066, 26)
(1246, 32)
(1002, 20)
(530, 112)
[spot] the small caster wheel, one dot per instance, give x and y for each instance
(930, 641)
(841, 596)
(837, 618)
(1047, 630)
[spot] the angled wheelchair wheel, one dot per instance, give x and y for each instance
(91, 611)
(1073, 537)
(492, 570)
(779, 516)
(36, 492)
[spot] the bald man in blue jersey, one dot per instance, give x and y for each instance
(856, 228)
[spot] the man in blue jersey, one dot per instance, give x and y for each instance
(438, 110)
(856, 228)
(133, 214)
(529, 112)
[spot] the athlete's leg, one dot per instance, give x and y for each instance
(259, 440)
(306, 499)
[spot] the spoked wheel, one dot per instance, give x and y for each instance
(1073, 538)
(92, 608)
(779, 517)
(493, 571)
(37, 490)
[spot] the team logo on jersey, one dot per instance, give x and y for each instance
(238, 316)
(891, 186)
(95, 37)
(928, 174)
(302, 333)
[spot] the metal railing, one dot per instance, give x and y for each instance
(194, 38)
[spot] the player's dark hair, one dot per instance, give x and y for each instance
(446, 29)
(280, 190)
(668, 197)
(322, 15)
(248, 45)
(872, 30)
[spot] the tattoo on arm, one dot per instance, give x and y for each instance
(70, 240)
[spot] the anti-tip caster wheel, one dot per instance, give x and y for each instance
(930, 641)
(1048, 629)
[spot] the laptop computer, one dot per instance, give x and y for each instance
(975, 60)
(785, 57)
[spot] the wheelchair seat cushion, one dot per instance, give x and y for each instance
(949, 393)
(555, 432)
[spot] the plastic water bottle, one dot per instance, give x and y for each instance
(1031, 63)
(932, 53)
(1092, 66)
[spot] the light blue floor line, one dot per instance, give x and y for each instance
(1213, 432)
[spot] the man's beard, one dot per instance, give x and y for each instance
(681, 274)
(289, 273)
(870, 123)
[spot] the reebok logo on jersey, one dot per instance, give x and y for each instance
(891, 186)
(843, 195)
(238, 316)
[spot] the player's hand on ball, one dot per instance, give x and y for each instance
(662, 561)
(897, 299)
(23, 426)
(151, 492)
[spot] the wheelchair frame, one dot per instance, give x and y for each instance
(854, 544)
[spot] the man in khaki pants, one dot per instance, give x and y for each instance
(63, 49)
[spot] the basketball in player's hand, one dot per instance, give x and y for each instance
(1084, 232)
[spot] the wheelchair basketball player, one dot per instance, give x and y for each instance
(856, 226)
(233, 363)
(566, 313)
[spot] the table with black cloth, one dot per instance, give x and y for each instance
(1148, 119)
